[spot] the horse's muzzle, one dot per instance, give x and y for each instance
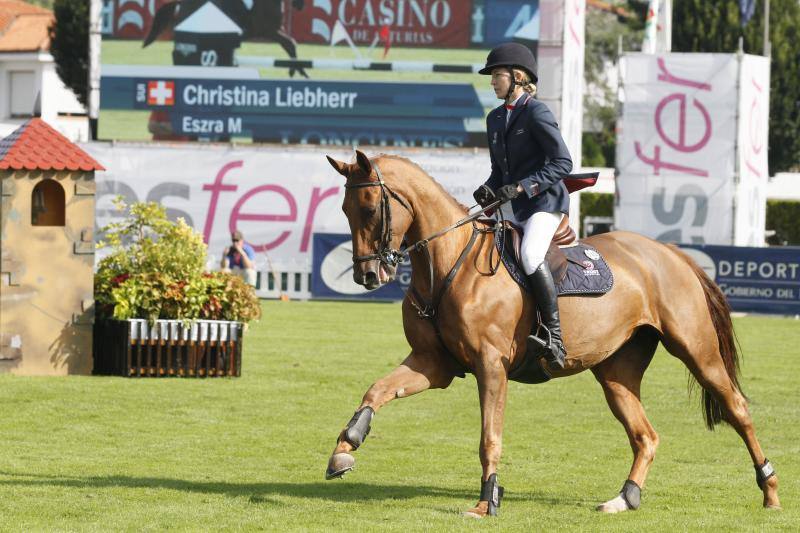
(374, 274)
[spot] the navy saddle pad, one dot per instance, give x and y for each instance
(586, 270)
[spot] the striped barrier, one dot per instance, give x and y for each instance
(168, 348)
(359, 64)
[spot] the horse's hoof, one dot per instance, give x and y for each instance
(339, 465)
(478, 512)
(616, 505)
(773, 507)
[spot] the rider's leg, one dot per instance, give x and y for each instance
(539, 231)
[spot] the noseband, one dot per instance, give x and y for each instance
(385, 254)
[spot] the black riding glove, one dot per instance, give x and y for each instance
(507, 192)
(484, 195)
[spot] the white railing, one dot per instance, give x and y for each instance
(292, 285)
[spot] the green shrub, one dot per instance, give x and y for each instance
(783, 217)
(597, 204)
(156, 269)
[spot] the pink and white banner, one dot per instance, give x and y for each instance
(676, 148)
(751, 209)
(278, 197)
(571, 120)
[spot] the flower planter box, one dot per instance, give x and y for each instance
(168, 348)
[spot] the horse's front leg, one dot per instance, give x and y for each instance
(492, 377)
(416, 374)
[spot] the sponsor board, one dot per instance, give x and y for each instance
(332, 275)
(761, 280)
(690, 152)
(277, 196)
(438, 23)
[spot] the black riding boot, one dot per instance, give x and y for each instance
(544, 291)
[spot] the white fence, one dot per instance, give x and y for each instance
(294, 285)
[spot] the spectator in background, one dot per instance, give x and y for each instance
(239, 258)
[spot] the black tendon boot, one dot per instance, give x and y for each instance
(544, 291)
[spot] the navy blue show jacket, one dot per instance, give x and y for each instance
(529, 150)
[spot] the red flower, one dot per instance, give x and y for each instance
(117, 280)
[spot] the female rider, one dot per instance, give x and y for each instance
(529, 160)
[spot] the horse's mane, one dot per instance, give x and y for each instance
(444, 192)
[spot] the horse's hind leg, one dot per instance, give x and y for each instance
(290, 46)
(708, 368)
(416, 374)
(621, 378)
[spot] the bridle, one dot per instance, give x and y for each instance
(392, 257)
(385, 254)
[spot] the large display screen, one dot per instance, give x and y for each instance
(340, 72)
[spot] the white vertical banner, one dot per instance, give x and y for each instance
(651, 27)
(560, 56)
(664, 27)
(751, 190)
(658, 27)
(676, 146)
(571, 119)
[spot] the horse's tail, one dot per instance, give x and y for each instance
(726, 337)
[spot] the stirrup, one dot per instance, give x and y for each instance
(546, 348)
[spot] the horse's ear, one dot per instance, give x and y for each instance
(363, 162)
(341, 168)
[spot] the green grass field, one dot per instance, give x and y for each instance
(110, 454)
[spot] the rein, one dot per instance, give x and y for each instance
(391, 257)
(388, 255)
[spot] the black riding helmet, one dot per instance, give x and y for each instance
(511, 55)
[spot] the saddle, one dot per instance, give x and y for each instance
(556, 259)
(577, 268)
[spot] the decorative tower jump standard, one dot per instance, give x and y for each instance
(46, 253)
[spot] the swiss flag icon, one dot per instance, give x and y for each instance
(161, 92)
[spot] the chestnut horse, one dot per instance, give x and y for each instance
(482, 321)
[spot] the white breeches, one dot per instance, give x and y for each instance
(538, 233)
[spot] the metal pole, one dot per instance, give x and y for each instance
(95, 26)
(766, 29)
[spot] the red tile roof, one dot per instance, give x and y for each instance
(24, 27)
(611, 8)
(37, 146)
(18, 7)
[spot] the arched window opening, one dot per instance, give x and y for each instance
(47, 204)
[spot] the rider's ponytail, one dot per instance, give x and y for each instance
(524, 80)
